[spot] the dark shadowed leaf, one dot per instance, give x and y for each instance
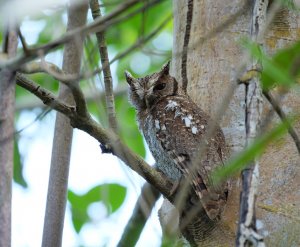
(18, 167)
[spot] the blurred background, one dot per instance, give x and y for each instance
(102, 190)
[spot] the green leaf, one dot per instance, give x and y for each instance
(252, 151)
(129, 131)
(111, 195)
(282, 69)
(18, 167)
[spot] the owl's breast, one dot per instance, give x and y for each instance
(153, 135)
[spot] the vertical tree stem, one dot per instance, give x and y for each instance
(110, 102)
(7, 108)
(61, 150)
(247, 234)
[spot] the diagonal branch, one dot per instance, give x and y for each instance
(46, 96)
(87, 124)
(283, 118)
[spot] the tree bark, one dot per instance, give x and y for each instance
(213, 61)
(61, 150)
(7, 110)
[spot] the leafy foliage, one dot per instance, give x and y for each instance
(282, 69)
(111, 195)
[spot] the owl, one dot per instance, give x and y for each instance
(173, 127)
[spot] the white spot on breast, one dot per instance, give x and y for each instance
(259, 224)
(163, 127)
(187, 121)
(180, 158)
(202, 127)
(156, 124)
(171, 105)
(177, 113)
(194, 130)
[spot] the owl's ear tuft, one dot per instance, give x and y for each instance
(165, 69)
(129, 78)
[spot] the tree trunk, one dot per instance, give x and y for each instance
(62, 142)
(213, 60)
(7, 111)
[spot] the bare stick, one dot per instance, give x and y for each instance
(7, 110)
(109, 96)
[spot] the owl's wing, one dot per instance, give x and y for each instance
(186, 125)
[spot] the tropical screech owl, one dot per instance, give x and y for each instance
(173, 126)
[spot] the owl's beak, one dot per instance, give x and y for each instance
(150, 98)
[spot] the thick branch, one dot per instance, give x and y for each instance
(62, 141)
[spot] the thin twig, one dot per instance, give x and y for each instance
(58, 74)
(23, 42)
(139, 43)
(109, 96)
(96, 26)
(283, 118)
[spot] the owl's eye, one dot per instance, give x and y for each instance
(160, 86)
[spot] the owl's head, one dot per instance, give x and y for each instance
(145, 92)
